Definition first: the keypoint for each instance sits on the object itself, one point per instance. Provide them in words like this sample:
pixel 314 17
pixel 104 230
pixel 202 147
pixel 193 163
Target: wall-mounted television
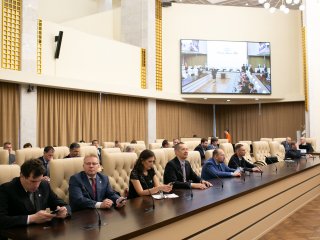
pixel 225 67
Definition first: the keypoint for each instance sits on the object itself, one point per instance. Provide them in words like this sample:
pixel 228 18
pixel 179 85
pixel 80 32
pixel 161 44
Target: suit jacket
pixel 81 194
pixel 173 173
pixel 211 170
pixel 45 166
pixel 307 146
pixel 293 154
pixel 235 162
pixel 201 151
pixel 16 205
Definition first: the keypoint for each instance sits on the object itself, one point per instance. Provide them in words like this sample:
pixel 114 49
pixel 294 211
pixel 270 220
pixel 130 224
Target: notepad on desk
pixel 158 196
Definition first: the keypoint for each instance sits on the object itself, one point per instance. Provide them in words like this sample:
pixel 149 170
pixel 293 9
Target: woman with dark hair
pixel 143 179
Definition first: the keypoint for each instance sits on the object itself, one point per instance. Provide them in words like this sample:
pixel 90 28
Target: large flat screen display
pixel 225 67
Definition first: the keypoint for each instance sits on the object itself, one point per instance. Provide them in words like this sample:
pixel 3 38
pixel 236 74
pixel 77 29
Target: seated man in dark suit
pixel 25 199
pixel 237 160
pixel 91 189
pixel 74 150
pixel 293 152
pixel 286 144
pixel 48 152
pixel 304 145
pixel 215 166
pixel 202 148
pixel 178 171
pixel 12 157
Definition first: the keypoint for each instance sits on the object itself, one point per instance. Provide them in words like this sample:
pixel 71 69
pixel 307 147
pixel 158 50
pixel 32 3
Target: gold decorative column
pixel 39 47
pixel 158 45
pixel 143 69
pixel 11 34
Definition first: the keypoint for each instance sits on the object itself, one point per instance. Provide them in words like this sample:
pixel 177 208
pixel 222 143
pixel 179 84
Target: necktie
pixel 31 197
pixel 94 187
pixel 184 172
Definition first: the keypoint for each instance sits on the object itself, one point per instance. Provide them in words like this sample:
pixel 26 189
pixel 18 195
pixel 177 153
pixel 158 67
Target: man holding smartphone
pixel 91 189
pixel 25 198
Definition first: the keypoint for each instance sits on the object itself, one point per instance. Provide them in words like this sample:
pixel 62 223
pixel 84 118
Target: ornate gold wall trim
pixel 158 45
pixel 39 47
pixel 11 34
pixel 143 69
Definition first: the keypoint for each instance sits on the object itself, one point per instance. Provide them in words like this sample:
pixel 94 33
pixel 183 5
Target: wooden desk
pixel 241 210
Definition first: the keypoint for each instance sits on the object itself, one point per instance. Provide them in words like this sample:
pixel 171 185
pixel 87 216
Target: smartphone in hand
pixel 55 211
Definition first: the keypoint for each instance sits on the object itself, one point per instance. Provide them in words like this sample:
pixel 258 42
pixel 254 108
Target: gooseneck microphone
pixel 98 214
pixel 257 167
pixel 153 206
pixel 191 193
pixel 273 163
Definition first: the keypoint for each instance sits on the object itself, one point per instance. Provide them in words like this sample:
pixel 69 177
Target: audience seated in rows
pixel 143 179
pixel 178 171
pixel 96 144
pixel 165 144
pixel 175 141
pixel 215 167
pixel 12 157
pixel 91 189
pixel 74 150
pixel 286 144
pixel 293 152
pixel 129 149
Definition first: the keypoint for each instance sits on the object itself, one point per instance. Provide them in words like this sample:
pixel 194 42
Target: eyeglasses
pixel 91 163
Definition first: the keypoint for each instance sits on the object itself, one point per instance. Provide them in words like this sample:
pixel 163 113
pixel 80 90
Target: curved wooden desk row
pixel 239 210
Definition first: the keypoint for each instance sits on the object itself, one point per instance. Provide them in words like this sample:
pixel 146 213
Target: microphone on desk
pixel 191 193
pixel 96 210
pixel 153 206
pixel 272 163
pixel 257 167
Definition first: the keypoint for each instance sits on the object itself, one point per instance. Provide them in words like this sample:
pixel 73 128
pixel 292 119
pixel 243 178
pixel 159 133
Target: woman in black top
pixel 143 179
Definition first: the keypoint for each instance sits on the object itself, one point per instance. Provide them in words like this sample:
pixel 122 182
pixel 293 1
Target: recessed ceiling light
pixel 247 4
pixel 205 98
pixel 257 99
pixel 228 100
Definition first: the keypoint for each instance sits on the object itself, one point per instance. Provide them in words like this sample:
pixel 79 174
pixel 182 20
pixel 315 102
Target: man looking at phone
pixel 91 189
pixel 25 198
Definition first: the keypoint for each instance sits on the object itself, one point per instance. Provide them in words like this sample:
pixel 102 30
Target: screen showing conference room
pixel 225 67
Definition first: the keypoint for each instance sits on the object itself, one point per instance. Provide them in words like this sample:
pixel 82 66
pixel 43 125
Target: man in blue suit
pixel 215 166
pixel 91 189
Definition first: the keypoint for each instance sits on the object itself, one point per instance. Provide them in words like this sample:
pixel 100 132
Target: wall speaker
pixel 58 39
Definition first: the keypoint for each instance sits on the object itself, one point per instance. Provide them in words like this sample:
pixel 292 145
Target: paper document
pixel 158 196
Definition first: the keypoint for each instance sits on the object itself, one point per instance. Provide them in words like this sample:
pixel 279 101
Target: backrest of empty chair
pixel 60 152
pixel 266 139
pixel 60 172
pixel 223 140
pixel 261 150
pixel 195 161
pixel 191 140
pixel 277 150
pixel 111 150
pixel 108 144
pixel 1 148
pixel 208 154
pixel 4 156
pixel 26 154
pixel 160 163
pixel 192 144
pixel 85 144
pixel 155 146
pixel 169 153
pixel 8 172
pixel 88 150
pixel 228 151
pixel 313 142
pixel 280 140
pixel 246 141
pixel 160 140
pixel 141 142
pixel 118 166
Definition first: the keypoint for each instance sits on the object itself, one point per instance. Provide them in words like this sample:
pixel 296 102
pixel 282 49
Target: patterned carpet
pixel 303 224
